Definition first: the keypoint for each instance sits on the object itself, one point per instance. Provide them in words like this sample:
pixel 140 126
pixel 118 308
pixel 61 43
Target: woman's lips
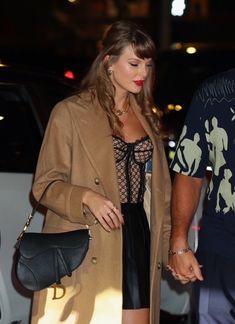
pixel 139 83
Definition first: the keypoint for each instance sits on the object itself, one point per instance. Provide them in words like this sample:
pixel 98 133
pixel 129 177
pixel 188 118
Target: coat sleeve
pixel 54 163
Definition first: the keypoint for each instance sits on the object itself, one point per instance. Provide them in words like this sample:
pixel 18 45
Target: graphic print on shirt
pixel 208 139
pixel 233 112
pixel 188 153
pixel 217 91
pixel 211 94
pixel 218 135
pixel 226 193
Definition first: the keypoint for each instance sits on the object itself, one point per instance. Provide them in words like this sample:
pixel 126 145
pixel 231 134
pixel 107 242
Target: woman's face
pixel 129 72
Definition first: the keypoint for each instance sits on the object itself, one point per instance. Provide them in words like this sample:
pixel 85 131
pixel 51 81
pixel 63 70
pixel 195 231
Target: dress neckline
pixel 137 141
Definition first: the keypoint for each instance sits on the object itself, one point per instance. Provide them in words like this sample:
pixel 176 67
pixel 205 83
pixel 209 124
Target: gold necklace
pixel 120 112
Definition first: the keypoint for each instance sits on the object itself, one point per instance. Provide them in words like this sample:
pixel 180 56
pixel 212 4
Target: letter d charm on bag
pixel 60 293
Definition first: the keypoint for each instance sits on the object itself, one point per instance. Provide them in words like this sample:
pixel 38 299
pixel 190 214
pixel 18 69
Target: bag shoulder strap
pixel 31 215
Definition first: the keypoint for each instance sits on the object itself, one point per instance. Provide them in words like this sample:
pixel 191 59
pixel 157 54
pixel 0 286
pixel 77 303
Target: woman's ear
pixel 107 63
pixel 106 59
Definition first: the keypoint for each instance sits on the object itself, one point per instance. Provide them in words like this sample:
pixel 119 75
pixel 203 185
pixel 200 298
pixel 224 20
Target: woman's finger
pixel 113 209
pixel 111 222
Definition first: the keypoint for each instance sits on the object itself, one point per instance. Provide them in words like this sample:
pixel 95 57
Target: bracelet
pixel 180 251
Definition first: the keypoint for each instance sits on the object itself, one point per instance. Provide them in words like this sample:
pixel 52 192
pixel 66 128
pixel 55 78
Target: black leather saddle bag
pixel 43 259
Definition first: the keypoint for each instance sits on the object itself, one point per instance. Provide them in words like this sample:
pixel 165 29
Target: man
pixel 207 139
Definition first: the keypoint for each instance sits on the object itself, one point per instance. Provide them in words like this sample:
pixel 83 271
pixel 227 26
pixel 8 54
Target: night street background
pixel 71 29
pixel 62 35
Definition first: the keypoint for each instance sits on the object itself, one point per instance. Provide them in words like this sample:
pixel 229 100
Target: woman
pixel 97 145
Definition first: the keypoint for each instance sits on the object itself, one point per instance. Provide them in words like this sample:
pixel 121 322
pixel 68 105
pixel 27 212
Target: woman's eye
pixel 133 64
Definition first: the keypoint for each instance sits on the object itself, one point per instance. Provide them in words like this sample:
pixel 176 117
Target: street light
pixel 178 7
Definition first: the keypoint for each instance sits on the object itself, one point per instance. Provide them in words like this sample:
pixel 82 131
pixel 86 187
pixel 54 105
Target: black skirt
pixel 136 257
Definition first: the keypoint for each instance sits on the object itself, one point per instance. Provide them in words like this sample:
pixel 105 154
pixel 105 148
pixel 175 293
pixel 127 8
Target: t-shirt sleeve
pixel 191 156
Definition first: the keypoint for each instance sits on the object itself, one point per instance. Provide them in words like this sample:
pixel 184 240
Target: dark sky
pixel 61 28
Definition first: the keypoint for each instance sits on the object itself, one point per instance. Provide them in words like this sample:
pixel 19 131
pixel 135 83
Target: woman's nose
pixel 143 72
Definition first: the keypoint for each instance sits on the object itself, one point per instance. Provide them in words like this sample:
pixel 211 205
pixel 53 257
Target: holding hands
pixel 184 266
pixel 186 194
pixel 108 215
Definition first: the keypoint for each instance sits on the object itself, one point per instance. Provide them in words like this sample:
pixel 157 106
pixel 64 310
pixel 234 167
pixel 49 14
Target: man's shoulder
pixel 224 75
pixel 217 88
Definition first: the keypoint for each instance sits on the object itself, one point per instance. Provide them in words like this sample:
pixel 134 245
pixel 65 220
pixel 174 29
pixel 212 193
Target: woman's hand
pixel 104 210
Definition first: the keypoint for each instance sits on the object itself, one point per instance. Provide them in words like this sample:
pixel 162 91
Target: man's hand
pixel 184 267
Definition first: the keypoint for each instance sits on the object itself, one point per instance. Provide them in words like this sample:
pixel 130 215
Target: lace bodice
pixel 130 160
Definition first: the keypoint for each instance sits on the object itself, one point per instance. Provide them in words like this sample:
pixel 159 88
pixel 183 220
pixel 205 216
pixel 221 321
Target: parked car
pixel 27 96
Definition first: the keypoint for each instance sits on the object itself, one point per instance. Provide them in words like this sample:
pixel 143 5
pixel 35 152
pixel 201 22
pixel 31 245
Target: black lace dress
pixel 131 159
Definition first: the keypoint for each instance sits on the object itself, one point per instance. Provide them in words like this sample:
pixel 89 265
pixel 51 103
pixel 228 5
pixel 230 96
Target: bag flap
pixel 33 244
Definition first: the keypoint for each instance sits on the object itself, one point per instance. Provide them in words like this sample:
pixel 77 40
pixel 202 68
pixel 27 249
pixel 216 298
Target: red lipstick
pixel 139 83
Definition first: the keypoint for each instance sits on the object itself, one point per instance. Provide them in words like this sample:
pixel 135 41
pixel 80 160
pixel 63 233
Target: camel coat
pixel 77 151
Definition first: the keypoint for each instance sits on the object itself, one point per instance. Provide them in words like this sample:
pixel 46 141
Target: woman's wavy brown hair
pixel 116 38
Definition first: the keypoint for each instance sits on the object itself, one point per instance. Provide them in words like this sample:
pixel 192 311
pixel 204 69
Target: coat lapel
pixel 95 134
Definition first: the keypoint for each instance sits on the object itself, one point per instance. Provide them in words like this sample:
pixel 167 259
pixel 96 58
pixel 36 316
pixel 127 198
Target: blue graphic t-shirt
pixel 208 139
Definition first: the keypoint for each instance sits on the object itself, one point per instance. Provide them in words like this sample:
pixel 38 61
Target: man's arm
pixel 185 198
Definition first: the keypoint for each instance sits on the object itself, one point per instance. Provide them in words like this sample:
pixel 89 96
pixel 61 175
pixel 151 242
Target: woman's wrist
pixel 86 197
